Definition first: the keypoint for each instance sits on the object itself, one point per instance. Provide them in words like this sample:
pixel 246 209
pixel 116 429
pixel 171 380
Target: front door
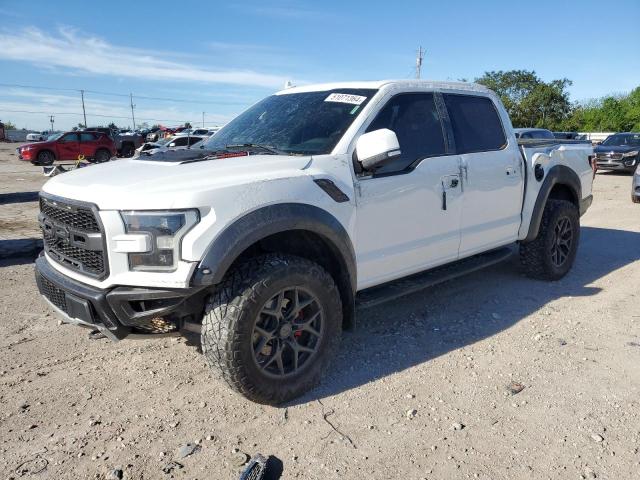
pixel 408 211
pixel 492 174
pixel 68 147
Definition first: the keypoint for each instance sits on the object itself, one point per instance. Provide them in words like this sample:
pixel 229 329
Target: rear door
pixel 408 212
pixel 68 147
pixel 88 144
pixel 492 174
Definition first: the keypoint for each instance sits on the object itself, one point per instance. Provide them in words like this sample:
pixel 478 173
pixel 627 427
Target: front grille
pixel 53 294
pixel 73 236
pixel 608 156
pixel 78 217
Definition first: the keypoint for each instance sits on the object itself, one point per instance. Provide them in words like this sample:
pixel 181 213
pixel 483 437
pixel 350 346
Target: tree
pixel 187 124
pixel 529 100
pixel 8 125
pixel 80 125
pixel 112 126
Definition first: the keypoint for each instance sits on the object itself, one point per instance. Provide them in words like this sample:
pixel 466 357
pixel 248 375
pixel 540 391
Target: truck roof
pixel 377 84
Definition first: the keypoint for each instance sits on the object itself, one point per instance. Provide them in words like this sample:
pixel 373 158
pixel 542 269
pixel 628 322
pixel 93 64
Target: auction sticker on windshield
pixel 345 98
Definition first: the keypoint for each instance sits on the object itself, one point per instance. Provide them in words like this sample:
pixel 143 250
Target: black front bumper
pixel 118 311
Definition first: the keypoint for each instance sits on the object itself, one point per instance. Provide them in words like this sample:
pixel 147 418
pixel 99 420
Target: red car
pixel 94 146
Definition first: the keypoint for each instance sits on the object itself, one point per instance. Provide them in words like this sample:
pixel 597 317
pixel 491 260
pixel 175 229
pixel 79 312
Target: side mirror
pixel 377 148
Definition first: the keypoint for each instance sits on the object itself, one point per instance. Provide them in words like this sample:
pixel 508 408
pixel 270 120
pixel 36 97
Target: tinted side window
pixel 87 137
pixel 414 119
pixel 193 140
pixel 475 122
pixel 69 137
pixel 180 142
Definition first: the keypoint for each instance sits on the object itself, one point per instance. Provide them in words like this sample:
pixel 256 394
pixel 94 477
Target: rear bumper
pixel 119 311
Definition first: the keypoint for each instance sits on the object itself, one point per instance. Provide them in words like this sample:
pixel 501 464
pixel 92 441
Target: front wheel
pixel 272 326
pixel 552 253
pixel 45 158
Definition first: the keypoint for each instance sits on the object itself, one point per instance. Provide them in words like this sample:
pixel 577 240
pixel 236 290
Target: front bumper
pixel 119 311
pixel 628 164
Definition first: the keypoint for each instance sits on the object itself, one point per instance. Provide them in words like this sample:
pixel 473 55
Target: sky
pixel 182 59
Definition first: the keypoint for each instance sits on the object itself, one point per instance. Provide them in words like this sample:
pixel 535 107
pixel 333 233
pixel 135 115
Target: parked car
pixel 94 146
pixel 37 137
pixel 173 143
pixel 534 133
pixel 635 187
pixel 125 142
pixel 317 198
pixel 620 152
pixel 569 136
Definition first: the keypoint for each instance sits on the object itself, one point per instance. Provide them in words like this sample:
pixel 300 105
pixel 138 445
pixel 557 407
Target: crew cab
pixel 311 202
pixel 94 146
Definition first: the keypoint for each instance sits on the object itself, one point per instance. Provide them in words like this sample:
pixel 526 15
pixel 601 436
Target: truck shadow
pixel 415 329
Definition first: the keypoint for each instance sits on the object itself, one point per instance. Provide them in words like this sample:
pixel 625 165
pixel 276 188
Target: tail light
pixel 593 164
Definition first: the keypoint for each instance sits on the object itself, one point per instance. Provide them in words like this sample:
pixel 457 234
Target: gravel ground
pixel 491 376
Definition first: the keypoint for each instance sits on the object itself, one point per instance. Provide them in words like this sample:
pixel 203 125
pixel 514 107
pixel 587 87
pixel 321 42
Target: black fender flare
pixel 263 222
pixel 558 174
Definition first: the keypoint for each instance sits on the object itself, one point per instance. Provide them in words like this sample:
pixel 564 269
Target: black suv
pixel 620 151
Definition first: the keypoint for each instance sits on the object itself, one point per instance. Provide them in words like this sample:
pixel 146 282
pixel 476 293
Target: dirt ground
pixel 420 390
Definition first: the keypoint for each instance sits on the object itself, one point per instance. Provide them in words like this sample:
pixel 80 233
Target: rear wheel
pixel 552 253
pixel 102 155
pixel 272 326
pixel 45 158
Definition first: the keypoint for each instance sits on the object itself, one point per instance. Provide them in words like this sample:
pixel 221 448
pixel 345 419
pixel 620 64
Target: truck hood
pixel 145 184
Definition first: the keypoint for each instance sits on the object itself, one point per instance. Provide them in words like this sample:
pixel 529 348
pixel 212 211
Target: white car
pixel 315 199
pixel 176 142
pixel 37 136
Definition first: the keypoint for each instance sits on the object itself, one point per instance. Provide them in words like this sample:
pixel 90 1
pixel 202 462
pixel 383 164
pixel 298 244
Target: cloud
pixel 32 109
pixel 79 53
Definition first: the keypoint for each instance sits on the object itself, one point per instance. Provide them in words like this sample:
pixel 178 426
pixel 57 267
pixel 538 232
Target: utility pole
pixel 83 111
pixel 202 119
pixel 51 117
pixel 133 118
pixel 419 62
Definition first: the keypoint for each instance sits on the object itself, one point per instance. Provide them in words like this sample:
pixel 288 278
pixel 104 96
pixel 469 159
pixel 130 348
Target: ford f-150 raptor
pixel 311 202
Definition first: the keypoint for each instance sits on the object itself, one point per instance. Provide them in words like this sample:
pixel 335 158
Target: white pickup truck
pixel 316 199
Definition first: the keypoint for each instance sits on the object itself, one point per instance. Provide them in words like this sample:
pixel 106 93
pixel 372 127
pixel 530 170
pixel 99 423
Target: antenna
pixel 419 62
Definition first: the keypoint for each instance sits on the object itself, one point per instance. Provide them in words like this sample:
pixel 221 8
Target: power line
pixel 78 114
pixel 125 95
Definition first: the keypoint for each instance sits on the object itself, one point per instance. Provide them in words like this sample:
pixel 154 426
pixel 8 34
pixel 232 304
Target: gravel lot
pixel 424 388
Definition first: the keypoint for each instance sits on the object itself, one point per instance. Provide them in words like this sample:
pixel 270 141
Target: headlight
pixel 165 231
pixel 630 154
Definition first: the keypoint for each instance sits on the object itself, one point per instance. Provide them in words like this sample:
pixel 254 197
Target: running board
pixel 395 289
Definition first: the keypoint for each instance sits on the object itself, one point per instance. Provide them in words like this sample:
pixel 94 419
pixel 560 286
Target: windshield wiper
pixel 264 148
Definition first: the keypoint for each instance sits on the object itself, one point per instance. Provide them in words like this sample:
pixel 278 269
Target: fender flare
pixel 278 218
pixel 557 175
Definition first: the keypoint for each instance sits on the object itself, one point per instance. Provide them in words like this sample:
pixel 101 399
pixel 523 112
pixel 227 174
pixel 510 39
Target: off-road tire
pixel 635 198
pixel 536 256
pixel 232 312
pixel 102 155
pixel 45 158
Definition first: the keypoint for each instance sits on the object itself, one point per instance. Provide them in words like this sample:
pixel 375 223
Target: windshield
pixel 55 136
pixel 309 123
pixel 623 140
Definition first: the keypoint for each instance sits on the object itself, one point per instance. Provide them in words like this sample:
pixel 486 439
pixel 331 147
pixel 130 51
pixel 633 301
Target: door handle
pixel 453 182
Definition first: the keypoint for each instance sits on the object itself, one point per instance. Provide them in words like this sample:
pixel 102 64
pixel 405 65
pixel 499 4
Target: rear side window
pixel 193 140
pixel 475 123
pixel 415 120
pixel 87 137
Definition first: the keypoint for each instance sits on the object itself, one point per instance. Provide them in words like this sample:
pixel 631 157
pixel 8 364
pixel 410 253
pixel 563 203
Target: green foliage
pixel 8 125
pixel 529 100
